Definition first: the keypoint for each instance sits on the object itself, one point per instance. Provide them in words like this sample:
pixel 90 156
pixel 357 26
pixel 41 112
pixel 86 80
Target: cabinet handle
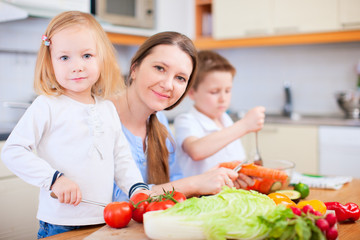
pixel 286 30
pixel 350 25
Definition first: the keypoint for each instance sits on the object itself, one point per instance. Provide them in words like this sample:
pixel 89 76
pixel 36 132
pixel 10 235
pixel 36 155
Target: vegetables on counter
pixel 118 214
pixel 303 189
pixel 292 194
pixel 234 214
pixel 348 212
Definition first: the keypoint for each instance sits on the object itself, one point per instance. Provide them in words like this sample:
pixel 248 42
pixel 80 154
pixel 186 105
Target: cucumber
pixel 295 196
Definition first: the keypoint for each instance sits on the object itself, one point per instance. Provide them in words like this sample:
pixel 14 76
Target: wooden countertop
pixel 350 192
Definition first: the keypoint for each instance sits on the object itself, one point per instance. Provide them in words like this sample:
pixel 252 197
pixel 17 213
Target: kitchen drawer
pixel 339 150
pixel 4 171
pixel 18 207
pixel 296 143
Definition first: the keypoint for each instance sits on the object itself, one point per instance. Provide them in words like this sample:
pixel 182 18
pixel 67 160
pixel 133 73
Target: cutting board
pixel 133 231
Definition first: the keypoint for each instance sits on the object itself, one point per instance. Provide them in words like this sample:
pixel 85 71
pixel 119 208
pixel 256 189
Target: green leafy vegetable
pixel 231 214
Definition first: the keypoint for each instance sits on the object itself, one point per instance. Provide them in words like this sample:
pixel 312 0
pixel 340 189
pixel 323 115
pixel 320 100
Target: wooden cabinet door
pixel 240 18
pixel 349 14
pixel 299 16
pixel 296 143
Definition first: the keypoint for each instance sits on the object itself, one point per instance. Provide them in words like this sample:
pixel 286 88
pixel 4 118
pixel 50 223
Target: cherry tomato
pixel 160 205
pixel 178 196
pixel 117 214
pixel 139 208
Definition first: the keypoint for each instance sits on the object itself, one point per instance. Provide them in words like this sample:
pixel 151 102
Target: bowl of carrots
pixel 278 175
pixel 272 176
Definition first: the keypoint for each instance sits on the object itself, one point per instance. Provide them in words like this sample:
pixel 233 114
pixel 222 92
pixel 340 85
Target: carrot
pixel 230 165
pixel 265 185
pixel 263 172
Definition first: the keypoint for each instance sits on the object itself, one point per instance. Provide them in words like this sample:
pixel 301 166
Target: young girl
pixel 161 73
pixel 206 135
pixel 70 141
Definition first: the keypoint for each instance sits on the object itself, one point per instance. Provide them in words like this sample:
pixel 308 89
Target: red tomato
pixel 117 214
pixel 140 209
pixel 178 196
pixel 162 205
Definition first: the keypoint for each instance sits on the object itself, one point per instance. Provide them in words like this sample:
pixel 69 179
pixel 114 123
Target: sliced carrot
pixel 263 172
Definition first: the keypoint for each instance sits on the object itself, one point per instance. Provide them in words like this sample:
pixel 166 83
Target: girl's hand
pixel 212 181
pixel 67 191
pixel 253 119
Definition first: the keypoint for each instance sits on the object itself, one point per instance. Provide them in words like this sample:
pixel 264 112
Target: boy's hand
pixel 67 191
pixel 254 119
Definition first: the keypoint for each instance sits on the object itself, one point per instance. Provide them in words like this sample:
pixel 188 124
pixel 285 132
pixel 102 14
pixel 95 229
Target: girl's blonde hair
pixel 157 152
pixel 110 81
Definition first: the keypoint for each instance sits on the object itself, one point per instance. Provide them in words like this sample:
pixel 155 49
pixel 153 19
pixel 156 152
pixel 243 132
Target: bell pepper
pixel 349 211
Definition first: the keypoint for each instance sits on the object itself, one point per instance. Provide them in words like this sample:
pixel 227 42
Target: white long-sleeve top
pixel 83 141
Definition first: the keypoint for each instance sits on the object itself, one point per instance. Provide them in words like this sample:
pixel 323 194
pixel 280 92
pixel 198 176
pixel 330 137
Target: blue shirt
pixel 139 156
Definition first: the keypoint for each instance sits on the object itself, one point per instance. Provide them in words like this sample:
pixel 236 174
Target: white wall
pixel 315 71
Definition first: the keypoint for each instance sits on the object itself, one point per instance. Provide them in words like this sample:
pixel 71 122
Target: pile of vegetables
pixel 233 214
pixel 119 214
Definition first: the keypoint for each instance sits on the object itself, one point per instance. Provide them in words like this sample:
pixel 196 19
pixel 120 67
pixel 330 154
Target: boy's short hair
pixel 210 61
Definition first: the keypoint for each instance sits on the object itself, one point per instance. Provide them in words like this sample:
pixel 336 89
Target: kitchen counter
pixel 350 192
pixel 313 120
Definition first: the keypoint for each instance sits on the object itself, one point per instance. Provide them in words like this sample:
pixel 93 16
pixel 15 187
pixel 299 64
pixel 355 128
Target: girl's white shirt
pixel 83 141
pixel 194 123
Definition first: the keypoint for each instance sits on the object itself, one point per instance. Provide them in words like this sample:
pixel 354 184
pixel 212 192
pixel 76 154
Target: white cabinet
pixel 349 13
pixel 339 150
pixel 299 16
pixel 244 18
pixel 18 206
pixel 296 143
pixel 238 18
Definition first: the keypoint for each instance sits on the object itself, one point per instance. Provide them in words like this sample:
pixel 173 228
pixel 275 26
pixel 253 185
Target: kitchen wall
pixel 316 72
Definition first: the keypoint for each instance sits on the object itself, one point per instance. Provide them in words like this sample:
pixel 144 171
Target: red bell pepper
pixel 349 211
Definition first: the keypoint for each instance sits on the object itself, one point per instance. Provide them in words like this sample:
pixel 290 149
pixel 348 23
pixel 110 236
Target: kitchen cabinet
pixel 202 42
pixel 296 143
pixel 299 16
pixel 339 150
pixel 18 206
pixel 243 18
pixel 240 18
pixel 349 14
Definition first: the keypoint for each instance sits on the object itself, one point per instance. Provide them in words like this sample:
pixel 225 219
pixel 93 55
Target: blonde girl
pixel 70 140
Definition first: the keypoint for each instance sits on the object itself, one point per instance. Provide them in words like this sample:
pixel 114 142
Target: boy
pixel 206 135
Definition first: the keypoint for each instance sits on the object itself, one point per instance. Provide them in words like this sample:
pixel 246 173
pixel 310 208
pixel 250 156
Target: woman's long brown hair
pixel 157 134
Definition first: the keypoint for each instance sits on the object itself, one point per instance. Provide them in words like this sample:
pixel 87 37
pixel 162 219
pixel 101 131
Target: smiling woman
pixel 160 75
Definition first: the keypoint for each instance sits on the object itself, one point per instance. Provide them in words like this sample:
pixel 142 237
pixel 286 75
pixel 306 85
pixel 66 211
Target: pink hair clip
pixel 45 39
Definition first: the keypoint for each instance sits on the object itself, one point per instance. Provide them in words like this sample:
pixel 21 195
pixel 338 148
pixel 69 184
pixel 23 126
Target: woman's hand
pixel 67 191
pixel 212 181
pixel 243 181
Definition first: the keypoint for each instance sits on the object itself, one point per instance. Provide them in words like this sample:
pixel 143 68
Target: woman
pixel 160 75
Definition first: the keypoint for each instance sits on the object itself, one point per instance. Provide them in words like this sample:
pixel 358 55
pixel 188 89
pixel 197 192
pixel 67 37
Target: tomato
pixel 139 208
pixel 117 214
pixel 160 205
pixel 178 196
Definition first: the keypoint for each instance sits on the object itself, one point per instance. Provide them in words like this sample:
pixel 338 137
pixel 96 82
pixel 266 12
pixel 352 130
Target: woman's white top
pixel 199 125
pixel 83 141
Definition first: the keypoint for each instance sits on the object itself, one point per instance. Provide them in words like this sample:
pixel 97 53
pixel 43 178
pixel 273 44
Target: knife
pixel 239 166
